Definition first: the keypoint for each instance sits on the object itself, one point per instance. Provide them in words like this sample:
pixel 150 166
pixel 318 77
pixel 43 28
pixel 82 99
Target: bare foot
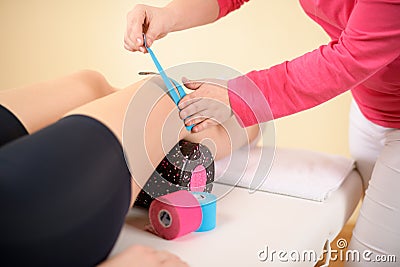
pixel 139 256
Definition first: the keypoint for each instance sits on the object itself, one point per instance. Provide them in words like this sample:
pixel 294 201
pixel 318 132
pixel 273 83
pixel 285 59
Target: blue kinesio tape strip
pixel 182 93
pixel 179 87
pixel 165 78
pixel 167 81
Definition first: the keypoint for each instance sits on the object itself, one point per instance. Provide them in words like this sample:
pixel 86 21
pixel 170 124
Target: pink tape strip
pixel 198 181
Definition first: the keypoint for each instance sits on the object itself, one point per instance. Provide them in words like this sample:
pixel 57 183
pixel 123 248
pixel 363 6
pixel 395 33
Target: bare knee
pixel 95 82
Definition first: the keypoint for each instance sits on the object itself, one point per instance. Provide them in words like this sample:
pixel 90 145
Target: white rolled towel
pixel 293 172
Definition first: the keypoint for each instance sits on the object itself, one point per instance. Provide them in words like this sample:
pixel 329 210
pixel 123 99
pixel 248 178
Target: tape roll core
pixel 165 218
pixel 199 197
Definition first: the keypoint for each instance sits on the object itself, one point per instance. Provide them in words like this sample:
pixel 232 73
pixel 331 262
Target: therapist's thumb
pixel 191 84
pixel 150 36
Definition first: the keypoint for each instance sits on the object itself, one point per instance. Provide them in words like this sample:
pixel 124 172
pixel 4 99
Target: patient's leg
pixel 41 104
pixel 150 135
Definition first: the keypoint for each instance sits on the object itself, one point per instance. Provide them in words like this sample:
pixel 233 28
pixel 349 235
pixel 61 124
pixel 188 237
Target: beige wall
pixel 42 39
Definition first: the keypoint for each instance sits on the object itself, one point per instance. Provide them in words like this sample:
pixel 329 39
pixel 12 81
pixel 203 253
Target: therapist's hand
pixel 208 105
pixel 153 21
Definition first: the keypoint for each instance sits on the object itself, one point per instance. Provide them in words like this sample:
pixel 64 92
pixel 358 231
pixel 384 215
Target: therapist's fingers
pixel 196 106
pixel 192 84
pixel 204 125
pixel 195 119
pixel 136 20
pixel 128 44
pixel 188 100
pixel 155 22
pixel 204 118
pixel 191 98
pixel 204 86
pixel 207 105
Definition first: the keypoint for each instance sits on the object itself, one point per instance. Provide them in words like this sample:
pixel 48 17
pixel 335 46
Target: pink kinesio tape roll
pixel 175 214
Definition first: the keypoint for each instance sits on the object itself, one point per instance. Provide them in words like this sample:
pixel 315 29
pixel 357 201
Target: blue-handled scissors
pixel 172 85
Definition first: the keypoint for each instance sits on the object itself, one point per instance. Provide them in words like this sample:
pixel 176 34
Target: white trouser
pixel 376 150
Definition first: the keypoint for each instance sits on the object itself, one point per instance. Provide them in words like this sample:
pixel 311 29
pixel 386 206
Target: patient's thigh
pixel 137 116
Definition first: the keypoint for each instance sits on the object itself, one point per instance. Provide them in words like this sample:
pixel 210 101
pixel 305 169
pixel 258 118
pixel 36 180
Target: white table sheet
pixel 246 223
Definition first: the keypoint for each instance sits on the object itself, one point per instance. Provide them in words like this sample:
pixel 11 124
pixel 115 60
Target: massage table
pixel 248 223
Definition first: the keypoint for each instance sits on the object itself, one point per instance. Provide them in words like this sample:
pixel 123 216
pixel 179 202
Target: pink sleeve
pixel 370 41
pixel 227 6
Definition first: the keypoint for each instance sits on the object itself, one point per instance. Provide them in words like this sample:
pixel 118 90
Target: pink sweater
pixel 364 56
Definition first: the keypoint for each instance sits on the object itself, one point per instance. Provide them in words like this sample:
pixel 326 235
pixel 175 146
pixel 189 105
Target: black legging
pixel 64 192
